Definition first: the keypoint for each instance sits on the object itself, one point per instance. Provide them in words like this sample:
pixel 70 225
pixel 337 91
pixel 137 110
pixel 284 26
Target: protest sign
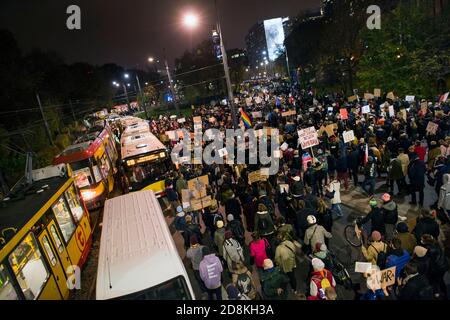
pixel 248 102
pixel 444 97
pixel 321 130
pixel 344 113
pixel 257 114
pixel 368 96
pixel 182 120
pixel 424 107
pixel 363 267
pixel 284 146
pixel 172 135
pixel 258 100
pixel 256 176
pixel 223 152
pixel 387 277
pixel 432 127
pixel 404 114
pixel 377 92
pixel 391 111
pixel 308 137
pixel 365 109
pixel 330 129
pixel 349 136
pixel 311 109
pixel 409 98
pixel 330 109
pixel 197 119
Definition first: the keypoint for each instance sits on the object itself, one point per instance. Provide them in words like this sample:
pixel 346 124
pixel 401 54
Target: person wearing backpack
pixel 414 286
pixel 233 206
pixel 321 279
pixel 210 217
pixel 233 252
pixel 315 234
pixel 375 253
pixel 195 255
pixel 274 282
pixel 210 269
pixel 237 229
pixel 264 224
pixel 285 258
pixel 234 294
pixel 242 279
pixel 265 200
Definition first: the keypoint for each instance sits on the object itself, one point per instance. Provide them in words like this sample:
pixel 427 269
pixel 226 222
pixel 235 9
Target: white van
pixel 138 258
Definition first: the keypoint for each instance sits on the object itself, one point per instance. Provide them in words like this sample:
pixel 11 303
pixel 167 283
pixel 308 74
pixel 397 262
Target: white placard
pixel 363 267
pixel 284 146
pixel 308 137
pixel 349 136
pixel 311 109
pixel 223 152
pixel 172 135
pixel 330 109
pixel 409 98
pixel 182 120
pixel 276 154
pixel 365 109
pixel 391 111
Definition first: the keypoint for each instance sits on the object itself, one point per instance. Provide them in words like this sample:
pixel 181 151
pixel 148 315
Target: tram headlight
pixel 88 194
pixel 162 155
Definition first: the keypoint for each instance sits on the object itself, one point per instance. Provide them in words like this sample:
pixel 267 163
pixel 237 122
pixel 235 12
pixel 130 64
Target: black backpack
pixel 237 229
pixel 381 258
pixel 262 224
pixel 244 283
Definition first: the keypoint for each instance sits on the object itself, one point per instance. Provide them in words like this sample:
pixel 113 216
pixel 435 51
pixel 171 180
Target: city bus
pixel 145 159
pixel 138 258
pixel 45 235
pixel 92 162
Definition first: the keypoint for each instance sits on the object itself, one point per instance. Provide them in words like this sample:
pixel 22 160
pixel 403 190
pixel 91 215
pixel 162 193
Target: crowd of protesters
pixel 251 238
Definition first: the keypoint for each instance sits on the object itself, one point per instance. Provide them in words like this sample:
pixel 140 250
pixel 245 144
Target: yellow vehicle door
pixel 54 263
pixel 59 245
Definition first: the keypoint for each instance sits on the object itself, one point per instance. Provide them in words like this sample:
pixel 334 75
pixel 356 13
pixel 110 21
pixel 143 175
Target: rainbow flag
pixel 246 119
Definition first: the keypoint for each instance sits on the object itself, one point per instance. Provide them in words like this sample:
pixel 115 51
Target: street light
pixel 190 20
pixel 151 59
pixel 126 75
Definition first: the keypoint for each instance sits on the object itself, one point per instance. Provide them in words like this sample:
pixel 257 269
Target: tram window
pixel 104 164
pixel 64 218
pixel 7 291
pixel 109 150
pixel 57 239
pixel 82 173
pixel 48 249
pixel 74 203
pixel 98 176
pixel 29 267
pixel 174 289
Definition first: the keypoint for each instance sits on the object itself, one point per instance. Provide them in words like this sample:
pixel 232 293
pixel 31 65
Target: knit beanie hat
pixel 420 251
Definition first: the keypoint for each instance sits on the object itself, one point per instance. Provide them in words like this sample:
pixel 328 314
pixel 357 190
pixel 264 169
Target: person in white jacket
pixel 335 186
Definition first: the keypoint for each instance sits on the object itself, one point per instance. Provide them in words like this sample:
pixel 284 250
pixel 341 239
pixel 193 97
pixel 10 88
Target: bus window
pixel 64 218
pixel 104 165
pixel 174 289
pixel 7 291
pixel 82 173
pixel 29 267
pixel 49 251
pixel 74 203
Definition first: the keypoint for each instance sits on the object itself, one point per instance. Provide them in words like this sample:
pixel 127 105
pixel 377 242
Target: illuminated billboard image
pixel 274 37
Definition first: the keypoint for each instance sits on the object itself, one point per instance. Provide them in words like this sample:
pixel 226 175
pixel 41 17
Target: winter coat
pixel 353 160
pixel 370 170
pixel 286 231
pixel 235 279
pixel 438 261
pixel 195 255
pixel 248 209
pixel 416 174
pixel 285 256
pixel 408 241
pixel 269 228
pixel 335 186
pixel 372 251
pixel 272 280
pixel 404 159
pixel 298 188
pixel 316 234
pixel 433 154
pixel 258 251
pixel 376 217
pixel 232 252
pixel 413 288
pixel 219 238
pixel 390 212
pixel 211 271
pixel 398 259
pixel 395 170
pixel 341 164
pixel 426 225
pixel 232 206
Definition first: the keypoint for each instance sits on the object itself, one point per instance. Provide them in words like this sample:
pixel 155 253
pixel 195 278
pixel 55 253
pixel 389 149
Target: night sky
pixel 128 31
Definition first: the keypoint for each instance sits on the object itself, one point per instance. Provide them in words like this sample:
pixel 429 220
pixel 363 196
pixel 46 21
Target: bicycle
pixel 354 233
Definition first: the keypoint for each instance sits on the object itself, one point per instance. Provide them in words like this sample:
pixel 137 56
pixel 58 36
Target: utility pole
pixel 227 71
pixel 126 95
pixel 171 84
pixel 47 128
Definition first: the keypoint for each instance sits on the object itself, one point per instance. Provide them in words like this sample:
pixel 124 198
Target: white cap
pixel 311 219
pixel 317 264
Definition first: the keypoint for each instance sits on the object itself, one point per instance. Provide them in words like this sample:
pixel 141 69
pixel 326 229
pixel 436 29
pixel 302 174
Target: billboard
pixel 274 37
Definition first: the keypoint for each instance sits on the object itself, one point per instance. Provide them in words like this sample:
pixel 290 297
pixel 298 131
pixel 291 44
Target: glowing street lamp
pixel 190 20
pixel 126 75
pixel 151 59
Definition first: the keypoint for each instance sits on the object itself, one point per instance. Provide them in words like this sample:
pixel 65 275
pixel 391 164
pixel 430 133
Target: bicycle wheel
pixel 351 237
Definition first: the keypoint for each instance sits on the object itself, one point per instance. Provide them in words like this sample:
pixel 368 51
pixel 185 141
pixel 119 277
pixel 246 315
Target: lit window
pixel 57 239
pixel 74 203
pixel 64 218
pixel 29 267
pixel 7 291
pixel 49 251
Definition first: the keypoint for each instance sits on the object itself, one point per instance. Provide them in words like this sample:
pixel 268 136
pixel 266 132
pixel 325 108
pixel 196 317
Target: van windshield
pixel 174 289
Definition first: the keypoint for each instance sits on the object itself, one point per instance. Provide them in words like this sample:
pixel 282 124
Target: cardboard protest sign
pixel 387 277
pixel 172 135
pixel 368 96
pixel 308 137
pixel 284 146
pixel 409 98
pixel 444 97
pixel 182 120
pixel 377 92
pixel 365 109
pixel 256 176
pixel 197 119
pixel 432 127
pixel 424 107
pixel 321 131
pixel 352 98
pixel 390 96
pixel 344 113
pixel 330 129
pixel 391 111
pixel 257 114
pixel 349 136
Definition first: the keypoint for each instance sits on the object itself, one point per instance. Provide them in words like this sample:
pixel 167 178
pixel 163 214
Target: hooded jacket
pixel 211 271
pixel 264 215
pixel 258 251
pixel 271 281
pixel 285 256
pixel 398 259
pixel 390 212
pixel 232 252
